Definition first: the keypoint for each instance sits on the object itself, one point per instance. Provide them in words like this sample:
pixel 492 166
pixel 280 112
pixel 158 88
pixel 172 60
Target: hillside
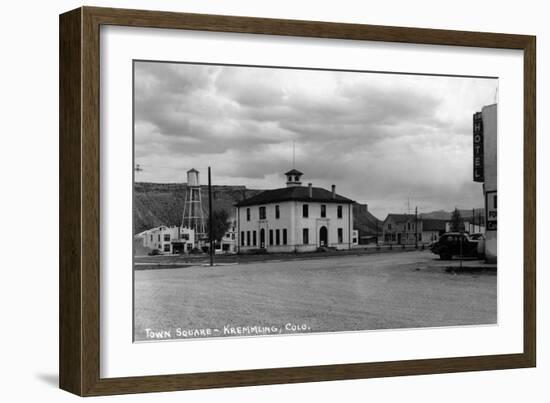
pixel 365 222
pixel 162 204
pixel 446 215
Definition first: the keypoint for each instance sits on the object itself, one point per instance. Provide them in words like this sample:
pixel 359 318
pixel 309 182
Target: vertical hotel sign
pixel 478 148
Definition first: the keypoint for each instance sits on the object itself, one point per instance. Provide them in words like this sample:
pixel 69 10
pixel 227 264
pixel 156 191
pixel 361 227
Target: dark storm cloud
pixel 379 136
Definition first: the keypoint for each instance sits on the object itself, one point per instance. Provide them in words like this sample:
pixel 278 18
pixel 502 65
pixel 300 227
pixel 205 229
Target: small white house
pixel 355 237
pixel 468 227
pixel 167 240
pixel 228 243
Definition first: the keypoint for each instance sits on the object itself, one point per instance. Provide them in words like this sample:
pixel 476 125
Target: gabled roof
pixel 293 193
pixel 293 172
pixel 147 231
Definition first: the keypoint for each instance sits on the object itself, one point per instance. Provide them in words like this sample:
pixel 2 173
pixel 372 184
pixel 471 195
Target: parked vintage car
pixel 154 252
pixel 458 244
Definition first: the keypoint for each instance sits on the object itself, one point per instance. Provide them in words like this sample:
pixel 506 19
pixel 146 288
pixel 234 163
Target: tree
pixel 220 224
pixel 457 223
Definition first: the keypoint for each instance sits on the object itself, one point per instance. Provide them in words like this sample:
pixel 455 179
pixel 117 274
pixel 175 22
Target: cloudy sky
pixel 382 139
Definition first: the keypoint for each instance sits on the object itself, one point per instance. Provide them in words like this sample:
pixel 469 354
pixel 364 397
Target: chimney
pixel 310 190
pixel 334 191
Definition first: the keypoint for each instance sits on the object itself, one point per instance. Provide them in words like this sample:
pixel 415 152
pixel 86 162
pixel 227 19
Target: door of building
pixel 323 236
pixel 262 238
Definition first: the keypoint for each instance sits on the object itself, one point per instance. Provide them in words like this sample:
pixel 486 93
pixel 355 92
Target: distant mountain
pixel 446 215
pixel 162 204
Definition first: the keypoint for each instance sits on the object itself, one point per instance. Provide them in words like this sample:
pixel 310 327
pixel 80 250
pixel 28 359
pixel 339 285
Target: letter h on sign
pixel 478 148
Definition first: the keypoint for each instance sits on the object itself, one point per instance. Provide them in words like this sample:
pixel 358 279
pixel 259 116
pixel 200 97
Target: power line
pixel 166 167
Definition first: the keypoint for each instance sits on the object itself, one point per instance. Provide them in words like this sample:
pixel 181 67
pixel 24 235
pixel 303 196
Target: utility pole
pixel 210 235
pixel 473 225
pixel 416 227
pixel 479 221
pixel 377 232
pixel 461 238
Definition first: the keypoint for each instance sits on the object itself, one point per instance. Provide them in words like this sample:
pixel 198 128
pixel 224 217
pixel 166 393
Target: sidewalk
pixel 470 265
pixel 243 258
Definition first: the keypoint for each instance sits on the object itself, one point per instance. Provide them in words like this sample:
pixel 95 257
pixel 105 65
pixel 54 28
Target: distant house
pixel 404 229
pixel 167 240
pixel 295 218
pixel 355 237
pixel 228 242
pixel 469 227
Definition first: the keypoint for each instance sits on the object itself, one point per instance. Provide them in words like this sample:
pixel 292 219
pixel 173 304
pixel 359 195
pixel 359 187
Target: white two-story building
pixel 295 218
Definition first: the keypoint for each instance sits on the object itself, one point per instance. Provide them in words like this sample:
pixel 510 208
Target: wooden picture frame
pixel 79 201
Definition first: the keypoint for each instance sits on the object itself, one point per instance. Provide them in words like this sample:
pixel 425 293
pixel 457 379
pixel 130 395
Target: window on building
pixel 297 178
pixel 277 212
pixel 167 247
pixel 247 214
pixel 277 237
pixel 284 236
pixel 247 238
pixel 340 235
pixel 389 226
pixel 167 237
pixel 253 238
pixel 323 210
pixel 271 237
pixel 242 238
pixel 151 237
pixel 305 211
pixel 340 211
pixel 262 213
pixel 408 226
pixel 419 237
pixel 305 236
pixel 158 236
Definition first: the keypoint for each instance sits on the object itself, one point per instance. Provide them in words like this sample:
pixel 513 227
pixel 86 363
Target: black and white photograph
pixel 275 202
pixel 271 201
